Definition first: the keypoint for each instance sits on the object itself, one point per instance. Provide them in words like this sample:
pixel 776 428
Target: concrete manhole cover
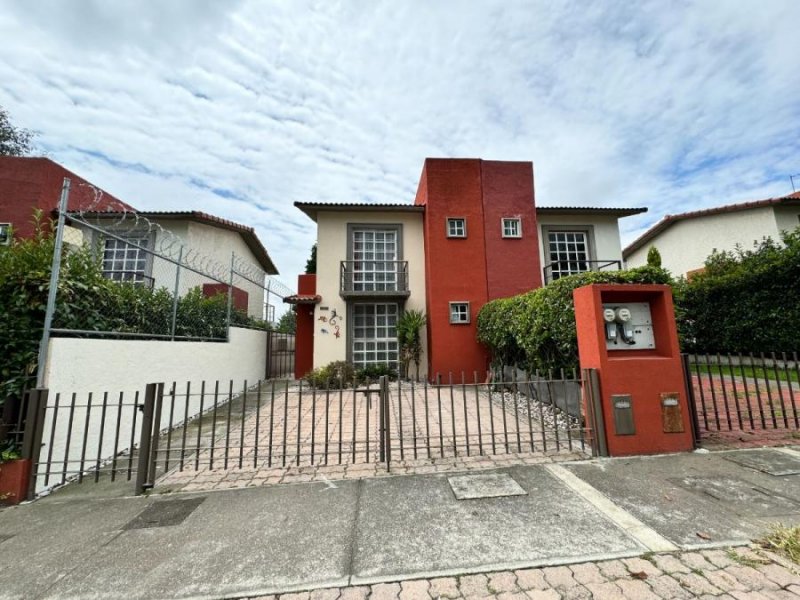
pixel 164 513
pixel 486 485
pixel 772 462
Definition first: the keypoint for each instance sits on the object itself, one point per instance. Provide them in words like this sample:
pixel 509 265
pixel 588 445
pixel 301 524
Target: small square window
pixel 457 227
pixel 459 312
pixel 512 228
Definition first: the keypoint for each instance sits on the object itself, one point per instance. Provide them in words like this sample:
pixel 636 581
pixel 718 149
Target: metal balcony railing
pixel 562 268
pixel 374 278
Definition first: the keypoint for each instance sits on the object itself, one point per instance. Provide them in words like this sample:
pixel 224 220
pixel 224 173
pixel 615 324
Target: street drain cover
pixel 486 485
pixel 164 513
pixel 772 462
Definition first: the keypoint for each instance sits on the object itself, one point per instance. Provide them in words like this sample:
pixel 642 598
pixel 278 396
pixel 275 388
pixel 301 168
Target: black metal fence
pixel 745 392
pixel 165 430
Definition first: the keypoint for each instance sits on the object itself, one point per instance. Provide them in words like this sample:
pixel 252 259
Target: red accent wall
pixel 512 264
pixel 644 374
pixel 304 339
pixel 30 183
pixel 455 268
pixel 484 265
pixel 239 299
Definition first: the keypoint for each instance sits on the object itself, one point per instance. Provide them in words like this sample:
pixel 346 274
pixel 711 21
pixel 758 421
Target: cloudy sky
pixel 242 108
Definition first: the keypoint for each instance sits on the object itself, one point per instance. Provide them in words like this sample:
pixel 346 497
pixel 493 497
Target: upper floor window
pixel 456 227
pixel 459 312
pixel 512 228
pixel 568 252
pixel 5 234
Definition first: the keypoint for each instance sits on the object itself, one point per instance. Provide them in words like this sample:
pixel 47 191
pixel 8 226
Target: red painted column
pixel 652 378
pixel 304 333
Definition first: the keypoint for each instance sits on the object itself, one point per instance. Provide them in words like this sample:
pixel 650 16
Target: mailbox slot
pixel 623 414
pixel 671 415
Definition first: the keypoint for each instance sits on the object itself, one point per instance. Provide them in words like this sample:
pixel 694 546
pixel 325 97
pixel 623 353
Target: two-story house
pixel 473 234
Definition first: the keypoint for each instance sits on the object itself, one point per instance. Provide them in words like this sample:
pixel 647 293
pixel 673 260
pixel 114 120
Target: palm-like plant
pixel 409 338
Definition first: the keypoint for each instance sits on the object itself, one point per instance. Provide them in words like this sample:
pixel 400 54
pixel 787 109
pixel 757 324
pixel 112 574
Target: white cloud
pixel 670 105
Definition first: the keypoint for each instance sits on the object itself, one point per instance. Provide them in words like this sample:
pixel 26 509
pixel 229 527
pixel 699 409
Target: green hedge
pixel 87 301
pixel 536 330
pixel 744 301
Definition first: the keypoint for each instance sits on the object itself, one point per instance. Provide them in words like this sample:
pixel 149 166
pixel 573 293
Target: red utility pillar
pixel 628 334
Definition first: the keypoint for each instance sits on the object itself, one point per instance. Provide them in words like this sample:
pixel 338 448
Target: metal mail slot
pixel 623 414
pixel 671 415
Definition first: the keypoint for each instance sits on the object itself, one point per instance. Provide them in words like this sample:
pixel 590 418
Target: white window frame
pixel 131 248
pixel 463 318
pixel 373 334
pixel 454 221
pixel 511 220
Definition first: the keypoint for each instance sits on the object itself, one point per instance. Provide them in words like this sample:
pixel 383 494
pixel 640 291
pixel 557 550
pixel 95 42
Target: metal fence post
pixel 687 377
pixel 51 293
pixel 230 298
pixel 270 349
pixel 175 294
pixel 32 437
pixel 595 406
pixel 145 438
pixel 386 420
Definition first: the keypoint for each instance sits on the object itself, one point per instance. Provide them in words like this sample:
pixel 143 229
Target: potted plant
pixel 14 476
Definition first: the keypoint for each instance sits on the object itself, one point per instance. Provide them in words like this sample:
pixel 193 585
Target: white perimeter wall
pixel 81 366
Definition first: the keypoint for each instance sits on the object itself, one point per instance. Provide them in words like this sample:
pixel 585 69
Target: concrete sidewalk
pixel 274 539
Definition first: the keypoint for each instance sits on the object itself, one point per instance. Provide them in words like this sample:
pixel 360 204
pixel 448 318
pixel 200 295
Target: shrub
pixel 744 300
pixel 334 375
pixel 653 257
pixel 536 330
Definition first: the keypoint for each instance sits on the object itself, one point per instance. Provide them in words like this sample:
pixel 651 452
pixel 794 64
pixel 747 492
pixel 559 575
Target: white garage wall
pixel 83 366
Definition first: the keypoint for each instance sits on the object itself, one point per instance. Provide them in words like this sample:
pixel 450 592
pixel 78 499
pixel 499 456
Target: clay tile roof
pixel 668 220
pixel 303 299
pixel 248 233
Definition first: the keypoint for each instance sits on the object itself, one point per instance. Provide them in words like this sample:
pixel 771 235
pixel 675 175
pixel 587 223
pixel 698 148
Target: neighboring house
pixel 27 184
pixel 473 234
pixel 209 241
pixel 685 240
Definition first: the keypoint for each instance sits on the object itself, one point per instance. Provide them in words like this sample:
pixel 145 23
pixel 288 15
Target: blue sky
pixel 242 108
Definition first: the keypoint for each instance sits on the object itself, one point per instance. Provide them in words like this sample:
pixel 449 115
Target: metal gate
pixel 280 354
pixel 276 424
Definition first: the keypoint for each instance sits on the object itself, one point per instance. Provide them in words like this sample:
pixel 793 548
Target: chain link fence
pixel 175 276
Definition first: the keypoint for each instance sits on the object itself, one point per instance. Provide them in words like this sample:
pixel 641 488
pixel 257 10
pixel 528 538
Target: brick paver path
pixel 288 435
pixel 725 574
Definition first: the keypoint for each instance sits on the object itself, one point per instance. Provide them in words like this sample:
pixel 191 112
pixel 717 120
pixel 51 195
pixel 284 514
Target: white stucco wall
pixel 204 245
pixel 606 241
pixel 81 366
pixel 685 245
pixel 332 249
pixel 787 218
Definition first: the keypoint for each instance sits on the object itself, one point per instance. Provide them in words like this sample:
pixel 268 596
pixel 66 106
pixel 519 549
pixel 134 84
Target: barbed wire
pixel 118 219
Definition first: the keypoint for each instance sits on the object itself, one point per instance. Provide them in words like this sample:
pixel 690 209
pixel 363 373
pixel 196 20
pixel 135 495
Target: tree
pixel 409 338
pixel 288 322
pixel 311 263
pixel 14 141
pixel 654 257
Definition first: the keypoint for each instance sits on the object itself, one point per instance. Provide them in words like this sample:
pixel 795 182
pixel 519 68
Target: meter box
pixel 628 326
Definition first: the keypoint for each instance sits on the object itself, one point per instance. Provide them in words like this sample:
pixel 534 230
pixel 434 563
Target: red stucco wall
pixel 30 183
pixel 455 268
pixel 512 264
pixel 304 339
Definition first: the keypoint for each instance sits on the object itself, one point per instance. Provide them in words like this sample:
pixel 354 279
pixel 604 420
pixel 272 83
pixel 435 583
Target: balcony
pixel 374 279
pixel 562 268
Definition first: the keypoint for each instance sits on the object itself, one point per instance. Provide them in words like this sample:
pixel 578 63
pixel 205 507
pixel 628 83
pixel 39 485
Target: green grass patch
pixel 748 371
pixel 784 540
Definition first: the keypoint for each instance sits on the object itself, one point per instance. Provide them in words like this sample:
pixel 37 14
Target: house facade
pixel 129 241
pixel 685 240
pixel 473 234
